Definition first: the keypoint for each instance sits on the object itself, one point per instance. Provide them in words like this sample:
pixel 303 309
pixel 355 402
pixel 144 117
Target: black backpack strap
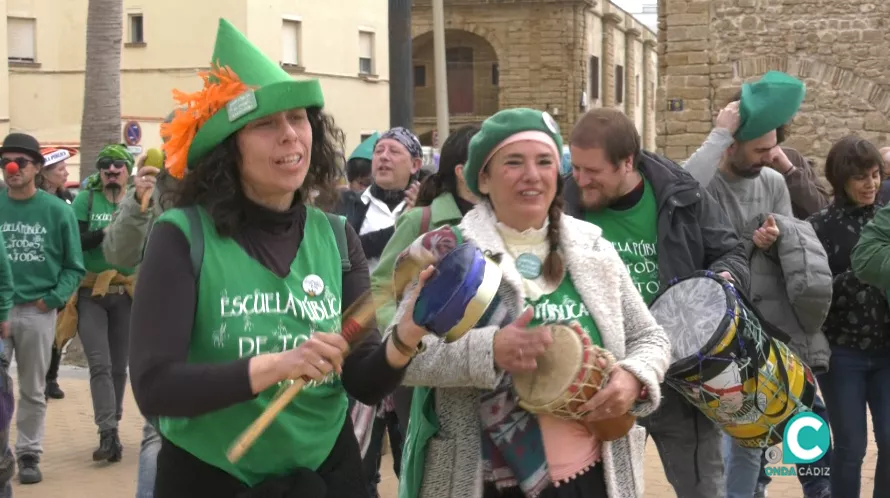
pixel 196 236
pixel 338 224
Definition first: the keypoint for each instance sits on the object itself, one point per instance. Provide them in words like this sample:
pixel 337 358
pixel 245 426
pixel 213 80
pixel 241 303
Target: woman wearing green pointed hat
pixel 469 437
pixel 242 288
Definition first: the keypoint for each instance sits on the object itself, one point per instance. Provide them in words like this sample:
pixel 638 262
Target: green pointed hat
pixel 768 104
pixel 365 150
pixel 243 85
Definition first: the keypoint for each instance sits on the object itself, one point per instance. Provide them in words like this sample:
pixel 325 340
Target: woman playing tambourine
pixel 469 438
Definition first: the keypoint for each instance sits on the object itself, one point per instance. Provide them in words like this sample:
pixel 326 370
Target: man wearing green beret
pixel 744 166
pixel 101 308
pixel 358 166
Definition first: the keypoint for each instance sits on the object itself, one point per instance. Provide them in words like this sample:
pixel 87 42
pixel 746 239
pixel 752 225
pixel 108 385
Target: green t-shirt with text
pixel 245 310
pixel 43 248
pixel 634 234
pixel 564 305
pixel 98 216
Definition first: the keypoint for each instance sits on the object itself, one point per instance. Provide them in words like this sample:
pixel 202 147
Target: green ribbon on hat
pixel 500 127
pixel 768 104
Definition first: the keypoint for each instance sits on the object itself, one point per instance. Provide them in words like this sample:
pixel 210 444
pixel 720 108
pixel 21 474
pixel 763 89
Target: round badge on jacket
pixel 313 285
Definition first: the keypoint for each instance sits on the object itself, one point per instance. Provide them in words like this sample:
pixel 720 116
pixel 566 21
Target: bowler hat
pixel 21 142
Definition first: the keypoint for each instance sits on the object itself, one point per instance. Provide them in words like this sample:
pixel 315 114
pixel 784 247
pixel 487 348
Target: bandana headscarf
pixel 406 138
pixel 117 152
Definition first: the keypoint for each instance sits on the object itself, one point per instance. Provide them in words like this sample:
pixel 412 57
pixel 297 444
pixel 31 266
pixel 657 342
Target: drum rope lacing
pixel 748 328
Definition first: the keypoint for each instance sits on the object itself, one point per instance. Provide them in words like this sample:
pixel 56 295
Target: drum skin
pixel 745 381
pixel 566 378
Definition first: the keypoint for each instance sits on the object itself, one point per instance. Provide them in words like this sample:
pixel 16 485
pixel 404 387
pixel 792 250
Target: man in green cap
pixel 102 305
pixel 744 166
pixel 47 265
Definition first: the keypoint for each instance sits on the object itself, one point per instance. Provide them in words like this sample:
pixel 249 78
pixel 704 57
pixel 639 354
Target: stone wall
pixel 707 49
pixel 542 52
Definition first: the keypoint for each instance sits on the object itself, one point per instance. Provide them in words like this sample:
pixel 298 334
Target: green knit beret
pixel 768 104
pixel 500 127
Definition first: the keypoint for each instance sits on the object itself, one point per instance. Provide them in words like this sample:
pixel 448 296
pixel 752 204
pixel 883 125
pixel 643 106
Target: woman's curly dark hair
pixel 215 182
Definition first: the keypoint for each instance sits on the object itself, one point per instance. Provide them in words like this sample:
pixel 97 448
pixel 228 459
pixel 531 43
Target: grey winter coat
pixel 793 275
pixel 461 370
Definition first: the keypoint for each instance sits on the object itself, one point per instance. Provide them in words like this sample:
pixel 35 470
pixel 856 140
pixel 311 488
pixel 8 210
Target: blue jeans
pixel 855 379
pixel 148 460
pixel 742 468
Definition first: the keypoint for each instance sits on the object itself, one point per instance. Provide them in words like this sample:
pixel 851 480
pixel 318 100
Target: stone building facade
pixel 707 49
pixel 562 56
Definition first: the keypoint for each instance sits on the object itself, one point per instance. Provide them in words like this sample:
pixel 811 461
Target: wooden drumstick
pixel 154 158
pixel 354 327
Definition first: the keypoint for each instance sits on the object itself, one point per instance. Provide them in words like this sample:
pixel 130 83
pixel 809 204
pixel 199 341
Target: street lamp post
pixel 441 67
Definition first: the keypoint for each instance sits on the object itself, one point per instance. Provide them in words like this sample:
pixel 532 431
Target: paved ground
pixel 71 438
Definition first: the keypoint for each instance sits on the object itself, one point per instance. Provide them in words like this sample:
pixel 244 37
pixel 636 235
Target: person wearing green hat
pixel 556 269
pixel 743 165
pixel 243 287
pixel 40 231
pixel 100 310
pixel 358 166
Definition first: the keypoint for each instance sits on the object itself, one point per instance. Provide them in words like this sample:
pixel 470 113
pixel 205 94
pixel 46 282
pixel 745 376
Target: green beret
pixel 768 104
pixel 500 127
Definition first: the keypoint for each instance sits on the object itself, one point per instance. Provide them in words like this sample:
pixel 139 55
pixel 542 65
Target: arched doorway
pixel 472 75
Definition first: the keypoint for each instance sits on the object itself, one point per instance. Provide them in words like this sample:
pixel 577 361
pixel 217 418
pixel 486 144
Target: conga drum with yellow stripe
pixel 723 362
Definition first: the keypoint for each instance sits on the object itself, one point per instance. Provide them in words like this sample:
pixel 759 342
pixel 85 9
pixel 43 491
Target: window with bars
pixel 366 52
pixel 21 39
pixel 420 75
pixel 291 33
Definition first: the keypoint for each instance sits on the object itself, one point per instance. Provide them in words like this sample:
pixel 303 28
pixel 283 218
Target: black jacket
pixel 352 207
pixel 694 233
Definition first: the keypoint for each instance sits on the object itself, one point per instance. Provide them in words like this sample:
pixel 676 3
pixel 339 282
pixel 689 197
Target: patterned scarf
pixel 512 445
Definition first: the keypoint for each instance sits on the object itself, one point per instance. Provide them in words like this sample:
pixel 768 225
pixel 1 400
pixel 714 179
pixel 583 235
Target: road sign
pixel 135 149
pixel 132 133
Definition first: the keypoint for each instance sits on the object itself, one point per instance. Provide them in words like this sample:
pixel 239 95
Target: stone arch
pixel 837 78
pixel 473 72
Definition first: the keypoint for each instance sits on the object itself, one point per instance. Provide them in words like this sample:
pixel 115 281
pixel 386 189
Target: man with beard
pixel 104 299
pixel 743 165
pixel 664 226
pixel 47 264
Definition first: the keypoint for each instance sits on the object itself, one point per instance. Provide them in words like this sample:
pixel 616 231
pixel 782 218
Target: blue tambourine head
pixel 454 300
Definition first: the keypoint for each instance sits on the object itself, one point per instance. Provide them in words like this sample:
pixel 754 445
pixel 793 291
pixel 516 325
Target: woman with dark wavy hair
pixel 242 289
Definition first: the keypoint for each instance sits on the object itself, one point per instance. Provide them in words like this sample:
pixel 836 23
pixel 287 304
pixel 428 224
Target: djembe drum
pixel 724 363
pixel 569 375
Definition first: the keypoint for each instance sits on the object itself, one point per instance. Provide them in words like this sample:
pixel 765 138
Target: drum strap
pixel 783 376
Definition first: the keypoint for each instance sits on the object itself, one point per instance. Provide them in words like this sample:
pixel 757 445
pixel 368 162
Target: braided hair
pixel 554 267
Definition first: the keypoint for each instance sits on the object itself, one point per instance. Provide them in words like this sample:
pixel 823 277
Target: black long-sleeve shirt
pixel 165 384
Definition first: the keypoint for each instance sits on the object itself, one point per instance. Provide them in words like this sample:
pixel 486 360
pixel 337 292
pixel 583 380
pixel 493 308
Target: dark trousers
pixel 591 484
pixel 389 424
pixel 181 475
pixel 52 375
pixel 856 380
